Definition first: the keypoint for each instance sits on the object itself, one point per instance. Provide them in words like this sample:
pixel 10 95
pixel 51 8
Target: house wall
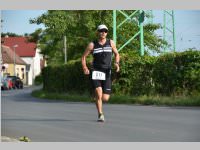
pixel 30 73
pixel 21 72
pixel 9 70
pixel 37 67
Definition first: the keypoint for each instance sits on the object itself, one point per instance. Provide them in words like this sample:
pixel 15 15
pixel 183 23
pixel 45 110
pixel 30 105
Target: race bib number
pixel 97 75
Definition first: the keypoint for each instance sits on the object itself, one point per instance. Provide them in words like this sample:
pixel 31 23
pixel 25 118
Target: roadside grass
pixel 156 100
pixel 123 99
pixel 71 97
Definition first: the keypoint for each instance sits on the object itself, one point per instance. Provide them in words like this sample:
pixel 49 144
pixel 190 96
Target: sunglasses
pixel 103 30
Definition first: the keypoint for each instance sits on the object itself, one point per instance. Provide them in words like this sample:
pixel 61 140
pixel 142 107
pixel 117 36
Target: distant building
pixel 29 52
pixel 12 64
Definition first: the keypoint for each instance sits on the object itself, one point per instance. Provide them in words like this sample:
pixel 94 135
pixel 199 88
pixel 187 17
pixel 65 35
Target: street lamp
pixel 14 58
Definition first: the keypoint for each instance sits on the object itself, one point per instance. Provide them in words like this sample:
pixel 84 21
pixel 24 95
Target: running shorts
pixel 105 84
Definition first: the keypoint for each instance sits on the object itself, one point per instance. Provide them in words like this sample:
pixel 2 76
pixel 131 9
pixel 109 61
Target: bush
pixel 66 78
pixel 169 74
pixel 135 77
pixel 177 73
pixel 38 80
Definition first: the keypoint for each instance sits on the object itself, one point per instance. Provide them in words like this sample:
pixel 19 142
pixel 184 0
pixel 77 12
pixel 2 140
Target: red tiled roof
pixel 8 56
pixel 24 49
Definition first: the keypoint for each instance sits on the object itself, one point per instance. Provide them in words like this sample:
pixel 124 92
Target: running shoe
pixel 101 118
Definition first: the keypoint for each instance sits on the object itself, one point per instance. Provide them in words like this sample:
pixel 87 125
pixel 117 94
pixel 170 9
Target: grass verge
pixel 122 99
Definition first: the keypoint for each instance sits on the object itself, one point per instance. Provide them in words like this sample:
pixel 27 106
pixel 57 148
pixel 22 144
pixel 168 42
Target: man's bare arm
pixel 117 57
pixel 88 50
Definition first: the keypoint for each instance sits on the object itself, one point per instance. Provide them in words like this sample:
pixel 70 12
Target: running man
pixel 101 68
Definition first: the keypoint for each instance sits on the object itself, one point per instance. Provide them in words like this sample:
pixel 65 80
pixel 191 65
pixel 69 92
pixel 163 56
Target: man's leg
pixel 98 92
pixel 106 86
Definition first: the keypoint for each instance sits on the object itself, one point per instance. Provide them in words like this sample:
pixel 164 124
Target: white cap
pixel 102 26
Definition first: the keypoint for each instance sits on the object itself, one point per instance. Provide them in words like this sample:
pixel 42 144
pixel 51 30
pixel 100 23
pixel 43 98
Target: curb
pixel 8 139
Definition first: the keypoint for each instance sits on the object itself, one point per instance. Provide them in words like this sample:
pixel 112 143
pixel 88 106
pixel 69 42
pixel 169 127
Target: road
pixel 50 121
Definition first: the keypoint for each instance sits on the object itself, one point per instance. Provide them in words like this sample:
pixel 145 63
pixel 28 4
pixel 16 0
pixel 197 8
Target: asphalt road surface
pixel 51 121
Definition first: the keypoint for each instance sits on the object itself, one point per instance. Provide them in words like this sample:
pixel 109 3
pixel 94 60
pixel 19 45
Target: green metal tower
pixel 136 16
pixel 169 30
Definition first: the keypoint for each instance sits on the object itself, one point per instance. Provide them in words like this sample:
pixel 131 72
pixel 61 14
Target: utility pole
pixel 14 59
pixel 65 48
pixel 169 30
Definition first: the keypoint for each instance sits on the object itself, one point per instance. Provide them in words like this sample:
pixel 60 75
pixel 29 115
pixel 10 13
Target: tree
pixel 26 34
pixel 35 36
pixel 80 25
pixel 10 34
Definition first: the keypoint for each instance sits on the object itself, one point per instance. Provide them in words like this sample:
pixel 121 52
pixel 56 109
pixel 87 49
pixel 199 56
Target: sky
pixel 187 27
pixel 187 24
pixel 17 21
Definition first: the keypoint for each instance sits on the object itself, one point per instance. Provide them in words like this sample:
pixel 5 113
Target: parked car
pixel 6 83
pixel 17 82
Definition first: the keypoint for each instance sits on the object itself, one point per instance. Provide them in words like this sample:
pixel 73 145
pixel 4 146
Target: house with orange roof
pixel 29 53
pixel 12 64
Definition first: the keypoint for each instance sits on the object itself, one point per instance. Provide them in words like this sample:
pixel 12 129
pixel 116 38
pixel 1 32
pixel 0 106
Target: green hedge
pixel 66 78
pixel 177 73
pixel 169 74
pixel 38 80
pixel 135 77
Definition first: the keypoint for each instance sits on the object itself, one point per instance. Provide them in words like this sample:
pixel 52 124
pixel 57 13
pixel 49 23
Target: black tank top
pixel 102 55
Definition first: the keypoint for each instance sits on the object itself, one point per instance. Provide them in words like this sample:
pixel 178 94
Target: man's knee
pixel 98 93
pixel 105 97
